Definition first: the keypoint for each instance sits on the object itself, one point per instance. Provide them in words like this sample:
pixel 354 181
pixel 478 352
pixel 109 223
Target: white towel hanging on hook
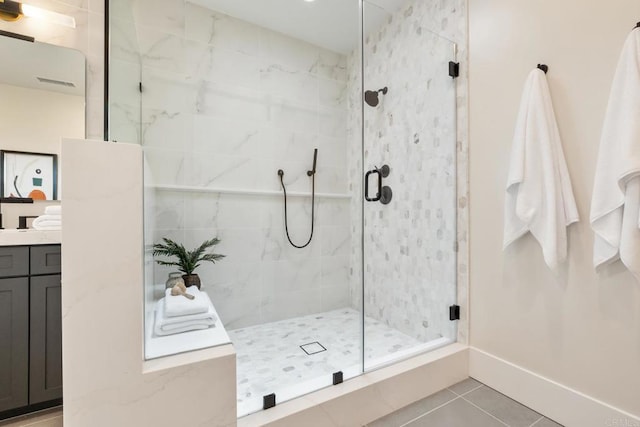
pixel 615 205
pixel 539 197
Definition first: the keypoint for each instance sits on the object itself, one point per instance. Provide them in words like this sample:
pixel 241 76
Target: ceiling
pixel 331 24
pixel 24 62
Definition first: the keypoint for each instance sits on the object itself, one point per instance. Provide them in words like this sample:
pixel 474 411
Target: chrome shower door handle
pixel 366 186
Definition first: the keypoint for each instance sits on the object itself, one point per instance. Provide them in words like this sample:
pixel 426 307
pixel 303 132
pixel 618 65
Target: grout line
pixel 491 415
pixel 430 411
pixel 537 421
pixel 466 392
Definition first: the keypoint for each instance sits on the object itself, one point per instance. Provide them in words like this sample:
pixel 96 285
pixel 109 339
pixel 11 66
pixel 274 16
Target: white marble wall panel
pixel 225 104
pixel 262 278
pixel 410 259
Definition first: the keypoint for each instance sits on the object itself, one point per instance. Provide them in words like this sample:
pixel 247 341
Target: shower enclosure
pixel 236 102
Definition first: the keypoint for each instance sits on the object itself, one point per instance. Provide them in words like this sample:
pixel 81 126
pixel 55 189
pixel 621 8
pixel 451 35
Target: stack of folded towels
pixel 176 314
pixel 51 220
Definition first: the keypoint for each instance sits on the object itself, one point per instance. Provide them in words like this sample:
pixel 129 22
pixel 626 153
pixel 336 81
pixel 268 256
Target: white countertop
pixel 14 237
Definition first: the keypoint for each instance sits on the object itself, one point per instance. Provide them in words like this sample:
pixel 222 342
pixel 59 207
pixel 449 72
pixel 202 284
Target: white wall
pixel 580 329
pixel 56 114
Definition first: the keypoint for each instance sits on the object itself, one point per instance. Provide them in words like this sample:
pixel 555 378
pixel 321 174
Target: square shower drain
pixel 313 348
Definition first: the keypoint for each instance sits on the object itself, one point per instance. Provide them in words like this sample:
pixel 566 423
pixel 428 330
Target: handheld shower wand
pixel 315 158
pixel 311 173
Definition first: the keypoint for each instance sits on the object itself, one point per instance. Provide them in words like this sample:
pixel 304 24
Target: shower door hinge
pixel 337 378
pixel 454 312
pixel 454 69
pixel 269 401
pixel 140 87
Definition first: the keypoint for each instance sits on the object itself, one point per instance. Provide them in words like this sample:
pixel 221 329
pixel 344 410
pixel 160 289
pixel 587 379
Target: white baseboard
pixel 556 401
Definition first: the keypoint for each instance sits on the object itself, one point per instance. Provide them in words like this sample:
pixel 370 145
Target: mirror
pixel 42 99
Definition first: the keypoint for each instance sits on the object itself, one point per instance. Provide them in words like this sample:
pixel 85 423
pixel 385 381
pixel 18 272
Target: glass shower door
pixel 409 173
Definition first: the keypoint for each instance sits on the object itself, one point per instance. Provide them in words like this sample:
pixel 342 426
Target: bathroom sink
pixel 15 237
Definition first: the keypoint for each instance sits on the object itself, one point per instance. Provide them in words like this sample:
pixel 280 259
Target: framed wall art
pixel 32 175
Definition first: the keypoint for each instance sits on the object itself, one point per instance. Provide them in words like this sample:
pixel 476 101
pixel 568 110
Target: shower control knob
pixel 385 195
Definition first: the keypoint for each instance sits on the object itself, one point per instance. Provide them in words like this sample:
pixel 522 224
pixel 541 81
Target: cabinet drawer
pixel 14 261
pixel 46 259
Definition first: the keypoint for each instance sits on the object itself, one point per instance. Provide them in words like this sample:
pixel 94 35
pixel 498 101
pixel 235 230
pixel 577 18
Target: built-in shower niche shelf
pixel 248 192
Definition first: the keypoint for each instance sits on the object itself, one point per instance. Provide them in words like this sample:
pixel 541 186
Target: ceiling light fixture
pixel 12 11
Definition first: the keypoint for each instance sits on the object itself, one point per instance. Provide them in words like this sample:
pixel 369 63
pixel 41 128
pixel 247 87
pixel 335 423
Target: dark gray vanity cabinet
pixel 45 337
pixel 14 343
pixel 30 327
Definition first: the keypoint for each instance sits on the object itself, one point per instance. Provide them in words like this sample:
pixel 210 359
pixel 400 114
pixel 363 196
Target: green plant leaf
pixel 187 261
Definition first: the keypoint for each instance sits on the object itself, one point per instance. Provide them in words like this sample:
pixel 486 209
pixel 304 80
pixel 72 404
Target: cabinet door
pixel 46 259
pixel 14 343
pixel 45 379
pixel 14 261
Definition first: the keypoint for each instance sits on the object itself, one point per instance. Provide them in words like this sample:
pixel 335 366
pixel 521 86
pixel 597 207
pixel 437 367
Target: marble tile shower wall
pixel 410 264
pixel 225 104
pixel 87 37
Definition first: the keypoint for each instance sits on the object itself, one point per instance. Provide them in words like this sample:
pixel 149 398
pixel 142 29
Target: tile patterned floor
pixel 469 403
pixel 269 356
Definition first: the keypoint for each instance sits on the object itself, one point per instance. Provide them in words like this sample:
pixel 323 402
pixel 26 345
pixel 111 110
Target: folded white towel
pixel 53 210
pixel 181 306
pixel 174 325
pixel 615 213
pixel 47 222
pixel 48 228
pixel 539 197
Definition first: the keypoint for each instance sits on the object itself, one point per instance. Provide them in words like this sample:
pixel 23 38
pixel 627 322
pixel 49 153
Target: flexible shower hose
pixel 313 204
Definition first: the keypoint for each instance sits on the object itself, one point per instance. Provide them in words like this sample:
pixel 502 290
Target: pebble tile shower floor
pixel 270 356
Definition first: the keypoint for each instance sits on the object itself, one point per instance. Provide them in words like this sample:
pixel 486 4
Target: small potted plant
pixel 187 261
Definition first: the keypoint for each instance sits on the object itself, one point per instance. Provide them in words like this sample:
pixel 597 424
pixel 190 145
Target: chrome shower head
pixel 371 96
